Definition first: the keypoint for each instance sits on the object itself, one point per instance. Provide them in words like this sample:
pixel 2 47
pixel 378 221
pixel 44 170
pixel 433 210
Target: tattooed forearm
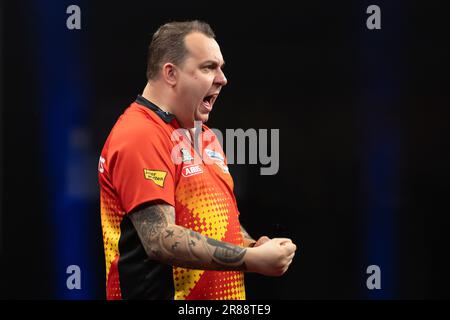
pixel 176 245
pixel 225 252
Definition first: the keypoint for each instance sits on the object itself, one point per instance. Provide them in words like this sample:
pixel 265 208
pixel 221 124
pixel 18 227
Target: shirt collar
pixel 164 115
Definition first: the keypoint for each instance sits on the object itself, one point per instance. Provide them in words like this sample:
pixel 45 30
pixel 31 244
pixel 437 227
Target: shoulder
pixel 137 126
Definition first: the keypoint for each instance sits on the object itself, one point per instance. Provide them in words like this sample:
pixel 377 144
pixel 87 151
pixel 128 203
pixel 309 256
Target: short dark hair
pixel 168 45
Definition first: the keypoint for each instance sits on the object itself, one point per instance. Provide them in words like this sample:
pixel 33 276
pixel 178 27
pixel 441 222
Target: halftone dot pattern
pixel 208 208
pixel 205 208
pixel 113 282
pixel 185 278
pixel 111 216
pixel 219 285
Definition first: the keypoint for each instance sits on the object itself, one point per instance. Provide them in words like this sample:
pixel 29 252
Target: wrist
pixel 249 259
pixel 249 243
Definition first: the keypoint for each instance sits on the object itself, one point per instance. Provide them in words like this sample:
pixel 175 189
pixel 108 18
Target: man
pixel 169 216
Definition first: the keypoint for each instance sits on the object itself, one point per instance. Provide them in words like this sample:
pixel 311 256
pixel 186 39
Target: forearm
pixel 182 247
pixel 175 245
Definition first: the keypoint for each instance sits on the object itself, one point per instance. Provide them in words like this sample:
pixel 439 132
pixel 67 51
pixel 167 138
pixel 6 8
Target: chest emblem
pixel 191 170
pixel 186 155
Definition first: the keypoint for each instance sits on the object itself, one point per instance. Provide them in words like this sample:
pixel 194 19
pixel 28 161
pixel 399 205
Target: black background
pixel 306 68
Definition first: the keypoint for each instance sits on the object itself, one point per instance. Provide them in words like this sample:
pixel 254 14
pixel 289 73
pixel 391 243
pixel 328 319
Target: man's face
pixel 200 79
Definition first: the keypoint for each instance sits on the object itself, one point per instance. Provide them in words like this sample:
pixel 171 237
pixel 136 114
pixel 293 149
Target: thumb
pixel 261 241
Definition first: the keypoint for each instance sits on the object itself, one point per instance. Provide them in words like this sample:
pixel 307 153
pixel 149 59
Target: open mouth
pixel 208 101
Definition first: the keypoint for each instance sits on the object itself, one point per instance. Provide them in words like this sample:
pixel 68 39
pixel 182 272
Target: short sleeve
pixel 141 168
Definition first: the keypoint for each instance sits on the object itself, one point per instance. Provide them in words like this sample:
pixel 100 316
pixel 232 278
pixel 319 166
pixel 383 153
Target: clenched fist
pixel 270 257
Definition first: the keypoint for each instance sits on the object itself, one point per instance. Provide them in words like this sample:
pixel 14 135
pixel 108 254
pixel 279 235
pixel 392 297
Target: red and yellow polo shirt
pixel 147 158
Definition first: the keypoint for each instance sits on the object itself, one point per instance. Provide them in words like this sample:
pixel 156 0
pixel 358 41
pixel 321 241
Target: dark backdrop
pixel 364 138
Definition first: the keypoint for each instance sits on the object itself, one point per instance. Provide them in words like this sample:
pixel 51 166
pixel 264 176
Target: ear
pixel 170 74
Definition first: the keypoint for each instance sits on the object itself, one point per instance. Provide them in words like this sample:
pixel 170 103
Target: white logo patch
pixel 214 155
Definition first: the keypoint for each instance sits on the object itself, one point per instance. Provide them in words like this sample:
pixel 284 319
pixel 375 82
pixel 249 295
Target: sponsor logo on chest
pixel 186 155
pixel 191 170
pixel 214 155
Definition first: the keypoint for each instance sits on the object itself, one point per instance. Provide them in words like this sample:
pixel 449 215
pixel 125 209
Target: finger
pixel 282 240
pixel 285 243
pixel 288 260
pixel 286 265
pixel 293 245
pixel 290 248
pixel 291 256
pixel 285 269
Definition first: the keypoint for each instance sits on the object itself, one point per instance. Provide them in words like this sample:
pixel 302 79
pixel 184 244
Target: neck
pixel 163 97
pixel 154 93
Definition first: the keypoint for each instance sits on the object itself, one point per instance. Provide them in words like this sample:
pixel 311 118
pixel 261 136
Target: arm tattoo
pixel 169 234
pixel 167 242
pixel 225 252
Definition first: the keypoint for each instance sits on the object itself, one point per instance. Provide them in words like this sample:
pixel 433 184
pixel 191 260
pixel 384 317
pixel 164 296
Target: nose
pixel 220 78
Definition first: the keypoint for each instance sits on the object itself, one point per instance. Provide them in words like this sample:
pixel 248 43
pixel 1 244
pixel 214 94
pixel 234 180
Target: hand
pixel 261 241
pixel 271 258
